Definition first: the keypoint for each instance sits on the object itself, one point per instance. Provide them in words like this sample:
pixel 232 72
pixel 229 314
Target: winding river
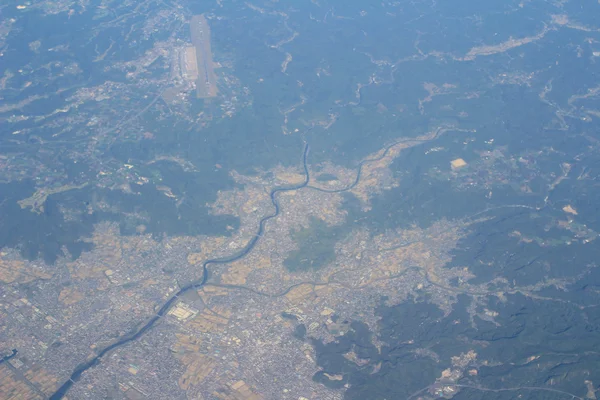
pixel 79 370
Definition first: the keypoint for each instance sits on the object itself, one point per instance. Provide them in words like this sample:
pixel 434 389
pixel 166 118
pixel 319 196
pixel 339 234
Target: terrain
pixel 299 200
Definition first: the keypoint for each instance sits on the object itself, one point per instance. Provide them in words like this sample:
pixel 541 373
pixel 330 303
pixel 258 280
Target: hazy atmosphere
pixel 299 199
